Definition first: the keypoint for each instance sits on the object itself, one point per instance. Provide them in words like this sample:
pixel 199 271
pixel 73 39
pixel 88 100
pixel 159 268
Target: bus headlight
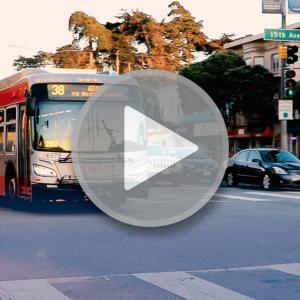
pixel 44 171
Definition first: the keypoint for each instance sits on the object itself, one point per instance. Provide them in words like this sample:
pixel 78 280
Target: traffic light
pixel 290 83
pixel 283 54
pixel 292 56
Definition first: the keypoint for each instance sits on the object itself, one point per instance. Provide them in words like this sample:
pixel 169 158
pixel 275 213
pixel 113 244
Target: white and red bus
pixel 37 113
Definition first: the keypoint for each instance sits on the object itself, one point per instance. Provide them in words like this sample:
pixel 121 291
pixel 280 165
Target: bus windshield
pixel 58 108
pixel 53 124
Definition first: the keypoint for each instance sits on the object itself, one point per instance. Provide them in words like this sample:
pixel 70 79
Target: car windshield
pixel 54 123
pixel 184 152
pixel 277 156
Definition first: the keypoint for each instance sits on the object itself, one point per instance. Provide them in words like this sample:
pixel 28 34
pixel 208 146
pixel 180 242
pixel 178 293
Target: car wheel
pixel 231 180
pixel 266 182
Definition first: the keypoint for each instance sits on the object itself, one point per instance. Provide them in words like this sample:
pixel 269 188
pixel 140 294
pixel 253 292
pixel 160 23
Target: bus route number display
pixel 80 91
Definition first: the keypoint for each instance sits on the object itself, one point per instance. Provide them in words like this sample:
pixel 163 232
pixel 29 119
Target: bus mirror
pixel 27 93
pixel 30 106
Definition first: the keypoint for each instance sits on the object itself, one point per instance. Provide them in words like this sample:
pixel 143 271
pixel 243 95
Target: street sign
pixel 271 6
pixel 291 35
pixel 294 6
pixel 285 109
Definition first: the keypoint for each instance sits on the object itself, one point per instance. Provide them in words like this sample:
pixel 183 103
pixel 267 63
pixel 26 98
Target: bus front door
pixel 24 154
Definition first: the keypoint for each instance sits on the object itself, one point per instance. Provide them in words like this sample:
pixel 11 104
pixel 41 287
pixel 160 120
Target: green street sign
pixel 291 35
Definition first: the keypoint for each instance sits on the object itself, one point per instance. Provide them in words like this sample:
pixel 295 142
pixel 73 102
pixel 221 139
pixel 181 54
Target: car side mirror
pixel 256 160
pixel 30 106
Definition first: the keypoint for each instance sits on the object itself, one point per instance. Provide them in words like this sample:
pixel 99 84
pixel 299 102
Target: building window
pixel 274 63
pixel 259 60
pixel 248 61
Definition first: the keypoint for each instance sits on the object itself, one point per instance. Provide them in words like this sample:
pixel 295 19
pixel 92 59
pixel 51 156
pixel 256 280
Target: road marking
pixel 181 283
pixel 242 198
pixel 293 269
pixel 220 201
pixel 289 268
pixel 29 290
pixel 190 287
pixel 279 195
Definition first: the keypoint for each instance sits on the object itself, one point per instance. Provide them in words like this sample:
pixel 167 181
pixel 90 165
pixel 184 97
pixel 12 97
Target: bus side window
pixel 1 138
pixel 1 116
pixel 1 130
pixel 11 115
pixel 10 130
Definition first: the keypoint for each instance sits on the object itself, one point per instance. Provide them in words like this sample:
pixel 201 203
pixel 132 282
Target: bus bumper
pixel 47 192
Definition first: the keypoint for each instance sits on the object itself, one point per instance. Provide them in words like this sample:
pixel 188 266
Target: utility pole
pixel 283 123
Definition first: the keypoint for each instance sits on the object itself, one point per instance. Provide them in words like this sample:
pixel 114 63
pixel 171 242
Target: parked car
pixel 267 167
pixel 161 160
pixel 197 165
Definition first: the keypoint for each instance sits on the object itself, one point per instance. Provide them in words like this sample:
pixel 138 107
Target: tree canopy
pixel 36 61
pixel 185 33
pixel 134 41
pixel 236 87
pixel 87 30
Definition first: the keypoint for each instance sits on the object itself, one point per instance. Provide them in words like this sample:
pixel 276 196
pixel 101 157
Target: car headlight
pixel 44 171
pixel 278 170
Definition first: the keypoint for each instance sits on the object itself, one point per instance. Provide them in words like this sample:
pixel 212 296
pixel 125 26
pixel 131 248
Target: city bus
pixel 37 113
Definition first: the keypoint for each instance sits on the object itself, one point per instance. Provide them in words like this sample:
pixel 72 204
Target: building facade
pixel 256 51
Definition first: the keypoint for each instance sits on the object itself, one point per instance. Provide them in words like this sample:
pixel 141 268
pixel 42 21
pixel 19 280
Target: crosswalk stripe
pixel 293 269
pixel 190 287
pixel 242 198
pixel 38 289
pixel 279 195
pixel 292 192
pixel 220 201
pixel 180 283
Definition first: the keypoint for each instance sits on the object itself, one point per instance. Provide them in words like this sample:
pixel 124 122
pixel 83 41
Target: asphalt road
pixel 244 244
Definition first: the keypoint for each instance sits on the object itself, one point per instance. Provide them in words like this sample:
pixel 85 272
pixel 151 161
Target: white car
pixel 160 160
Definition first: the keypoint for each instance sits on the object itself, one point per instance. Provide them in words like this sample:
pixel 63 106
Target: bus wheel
pixel 11 189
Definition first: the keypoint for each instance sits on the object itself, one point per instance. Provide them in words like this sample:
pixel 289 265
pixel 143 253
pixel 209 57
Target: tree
pixel 209 74
pixel 218 44
pixel 123 56
pixel 135 41
pixel 184 33
pixel 148 36
pixel 70 57
pixel 253 89
pixel 236 87
pixel 35 61
pixel 87 29
pixel 89 34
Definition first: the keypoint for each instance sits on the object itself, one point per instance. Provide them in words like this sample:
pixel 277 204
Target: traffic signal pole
pixel 283 123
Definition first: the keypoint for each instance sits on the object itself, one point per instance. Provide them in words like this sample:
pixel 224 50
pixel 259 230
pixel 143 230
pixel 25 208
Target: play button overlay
pixel 177 141
pixel 150 149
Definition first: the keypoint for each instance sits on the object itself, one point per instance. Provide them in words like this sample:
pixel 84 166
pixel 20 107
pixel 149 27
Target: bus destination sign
pixel 67 91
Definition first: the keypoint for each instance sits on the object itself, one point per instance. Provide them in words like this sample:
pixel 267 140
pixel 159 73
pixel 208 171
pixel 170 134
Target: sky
pixel 43 25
